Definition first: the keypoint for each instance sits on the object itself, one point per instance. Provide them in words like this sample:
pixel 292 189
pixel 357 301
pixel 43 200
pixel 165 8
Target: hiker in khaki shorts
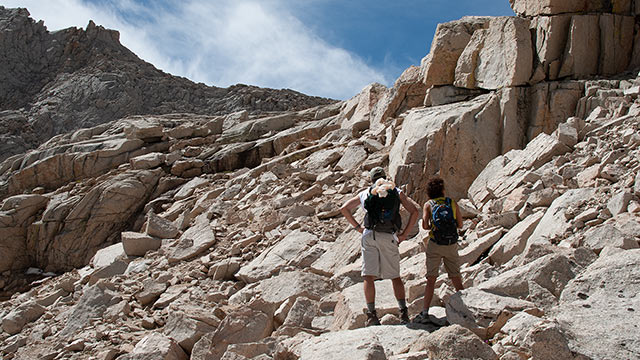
pixel 440 216
pixel 381 237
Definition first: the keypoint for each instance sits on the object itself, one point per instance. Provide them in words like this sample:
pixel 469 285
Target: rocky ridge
pixel 219 237
pixel 57 82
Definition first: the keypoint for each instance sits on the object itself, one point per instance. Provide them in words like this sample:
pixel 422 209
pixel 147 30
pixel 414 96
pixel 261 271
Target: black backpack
pixel 445 228
pixel 383 213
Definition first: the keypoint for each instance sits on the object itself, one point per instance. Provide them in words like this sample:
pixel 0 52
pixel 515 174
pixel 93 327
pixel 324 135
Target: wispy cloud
pixel 221 42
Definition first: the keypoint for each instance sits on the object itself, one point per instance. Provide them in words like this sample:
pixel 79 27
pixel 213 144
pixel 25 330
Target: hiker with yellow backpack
pixel 441 217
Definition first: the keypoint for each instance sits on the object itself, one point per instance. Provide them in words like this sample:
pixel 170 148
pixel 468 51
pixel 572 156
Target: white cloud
pixel 221 42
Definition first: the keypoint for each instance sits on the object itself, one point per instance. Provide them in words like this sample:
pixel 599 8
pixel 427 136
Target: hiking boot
pixel 372 318
pixel 404 316
pixel 422 318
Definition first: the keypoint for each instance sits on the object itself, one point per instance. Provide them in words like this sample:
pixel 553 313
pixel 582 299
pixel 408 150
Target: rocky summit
pixel 149 217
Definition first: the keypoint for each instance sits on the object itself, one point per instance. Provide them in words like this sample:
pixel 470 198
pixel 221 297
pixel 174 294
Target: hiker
pixel 440 216
pixel 381 237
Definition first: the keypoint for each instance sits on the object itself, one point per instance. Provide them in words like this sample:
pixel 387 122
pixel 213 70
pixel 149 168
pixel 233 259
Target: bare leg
pixel 457 283
pixel 398 288
pixel 369 289
pixel 428 291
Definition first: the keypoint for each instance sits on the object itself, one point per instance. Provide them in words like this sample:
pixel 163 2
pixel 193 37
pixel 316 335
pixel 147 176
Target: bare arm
pixel 347 210
pixel 413 212
pixel 426 216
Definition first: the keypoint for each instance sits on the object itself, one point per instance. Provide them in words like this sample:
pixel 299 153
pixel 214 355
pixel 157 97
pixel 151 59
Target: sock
pixel 402 304
pixel 371 307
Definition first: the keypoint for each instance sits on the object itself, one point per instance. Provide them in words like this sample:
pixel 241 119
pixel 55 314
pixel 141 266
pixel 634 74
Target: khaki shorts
pixel 438 253
pixel 380 255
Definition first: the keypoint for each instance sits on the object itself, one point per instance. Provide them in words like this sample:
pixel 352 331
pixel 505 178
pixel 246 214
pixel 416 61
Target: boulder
pixel 599 237
pixel 580 60
pixel 241 326
pixel 73 228
pixel 472 252
pixel 447 45
pixel 340 253
pixel 349 311
pixel 137 244
pixel 273 259
pixel 552 272
pixel 147 161
pixel 458 139
pixel 225 269
pixel 506 56
pixel 515 240
pixel 185 330
pixel 376 342
pixel 554 224
pixel 616 43
pixel 156 346
pixel 291 284
pixel 407 92
pixel 351 158
pixel 197 239
pixel 14 321
pixel 600 310
pixel 356 112
pixel 619 202
pixel 151 291
pixel 483 312
pixel 92 304
pixel 16 214
pixel 455 342
pixel 160 227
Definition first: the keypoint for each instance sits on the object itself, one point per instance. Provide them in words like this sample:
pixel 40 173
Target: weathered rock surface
pixel 599 294
pixel 256 261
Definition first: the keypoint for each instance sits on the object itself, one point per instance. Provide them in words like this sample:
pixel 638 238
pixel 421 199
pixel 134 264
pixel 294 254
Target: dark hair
pixel 435 188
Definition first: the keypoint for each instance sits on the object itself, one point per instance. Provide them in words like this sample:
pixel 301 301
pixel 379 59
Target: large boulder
pixel 286 285
pixel 551 273
pixel 446 47
pixel 515 240
pixel 599 308
pixel 198 238
pixel 73 228
pixel 505 56
pixel 241 326
pixel 376 342
pixel 156 346
pixel 284 253
pixel 349 310
pixel 579 58
pixel 458 139
pixel 483 312
pixel 16 214
pixel 340 253
pixel 14 321
pixel 407 92
pixel 455 342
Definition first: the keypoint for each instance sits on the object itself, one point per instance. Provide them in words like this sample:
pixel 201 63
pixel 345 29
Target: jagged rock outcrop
pixel 57 82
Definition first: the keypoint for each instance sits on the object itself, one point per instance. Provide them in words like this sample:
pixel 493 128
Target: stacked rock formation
pixel 186 236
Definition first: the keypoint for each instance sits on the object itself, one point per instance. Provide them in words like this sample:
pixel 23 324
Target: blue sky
pixel 329 48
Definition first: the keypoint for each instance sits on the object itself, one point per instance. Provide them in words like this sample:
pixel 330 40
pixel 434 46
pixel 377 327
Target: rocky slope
pixel 219 237
pixel 56 82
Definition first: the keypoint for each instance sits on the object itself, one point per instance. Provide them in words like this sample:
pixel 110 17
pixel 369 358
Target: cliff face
pixel 185 236
pixel 51 83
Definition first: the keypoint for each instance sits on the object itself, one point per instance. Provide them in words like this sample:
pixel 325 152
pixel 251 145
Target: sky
pixel 329 48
